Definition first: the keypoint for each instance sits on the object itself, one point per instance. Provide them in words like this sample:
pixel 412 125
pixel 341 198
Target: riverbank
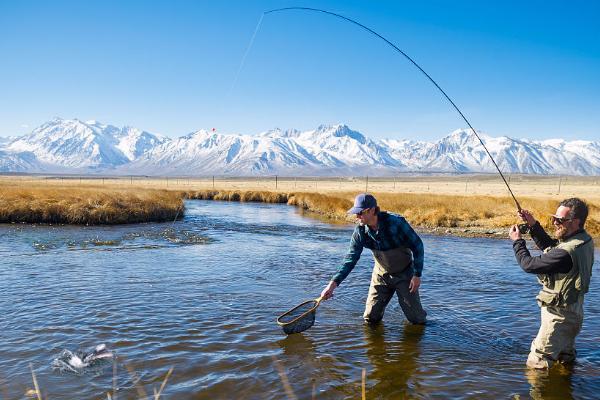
pixel 430 204
pixel 88 206
pixel 472 216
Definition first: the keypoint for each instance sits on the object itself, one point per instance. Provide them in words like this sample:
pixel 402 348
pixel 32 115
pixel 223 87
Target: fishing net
pixel 299 318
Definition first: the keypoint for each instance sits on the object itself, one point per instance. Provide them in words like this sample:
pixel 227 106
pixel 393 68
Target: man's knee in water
pixel 416 317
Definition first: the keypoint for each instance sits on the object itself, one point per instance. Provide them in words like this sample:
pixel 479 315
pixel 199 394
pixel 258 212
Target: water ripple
pixel 202 296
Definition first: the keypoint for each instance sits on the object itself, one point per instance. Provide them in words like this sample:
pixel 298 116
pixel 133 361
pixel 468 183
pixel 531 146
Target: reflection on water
pixel 393 360
pixel 202 295
pixel 553 384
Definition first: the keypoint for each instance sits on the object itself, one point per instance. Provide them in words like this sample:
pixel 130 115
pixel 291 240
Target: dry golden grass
pixel 325 205
pixel 421 210
pixel 91 206
pixel 236 195
pixel 551 187
pixel 446 211
pixel 476 211
pixel 453 202
pixel 328 206
pixel 458 211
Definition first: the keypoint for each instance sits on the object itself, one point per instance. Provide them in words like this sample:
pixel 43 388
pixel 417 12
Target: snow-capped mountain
pixel 77 145
pixel 63 146
pixel 18 162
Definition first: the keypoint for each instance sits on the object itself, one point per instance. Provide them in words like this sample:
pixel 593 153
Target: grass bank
pixel 465 215
pixel 87 206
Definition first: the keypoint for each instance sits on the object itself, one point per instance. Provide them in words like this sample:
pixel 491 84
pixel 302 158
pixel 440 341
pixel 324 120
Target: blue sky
pixel 521 69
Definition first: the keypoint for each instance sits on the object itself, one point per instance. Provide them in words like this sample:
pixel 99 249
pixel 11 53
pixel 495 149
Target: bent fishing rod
pixel 409 59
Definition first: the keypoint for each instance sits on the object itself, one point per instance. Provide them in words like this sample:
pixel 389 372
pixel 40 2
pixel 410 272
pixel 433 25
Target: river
pixel 202 295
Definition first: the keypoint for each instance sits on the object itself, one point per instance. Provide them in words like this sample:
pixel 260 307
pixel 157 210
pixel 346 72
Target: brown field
pixel 86 205
pixel 551 187
pixel 466 204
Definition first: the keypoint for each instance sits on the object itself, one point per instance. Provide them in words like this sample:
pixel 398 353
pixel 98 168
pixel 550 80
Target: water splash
pixel 80 362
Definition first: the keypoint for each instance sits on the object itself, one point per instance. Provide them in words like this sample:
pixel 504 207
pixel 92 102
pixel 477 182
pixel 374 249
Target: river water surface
pixel 202 295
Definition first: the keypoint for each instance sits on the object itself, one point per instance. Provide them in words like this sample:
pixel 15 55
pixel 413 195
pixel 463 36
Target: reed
pixel 236 195
pixel 328 206
pixel 37 390
pixel 87 206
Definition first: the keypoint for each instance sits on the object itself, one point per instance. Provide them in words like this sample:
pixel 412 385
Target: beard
pixel 561 232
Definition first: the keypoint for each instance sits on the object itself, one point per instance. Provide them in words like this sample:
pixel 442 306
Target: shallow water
pixel 202 295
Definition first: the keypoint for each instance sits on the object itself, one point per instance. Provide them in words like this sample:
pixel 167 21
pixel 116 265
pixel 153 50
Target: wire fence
pixel 523 185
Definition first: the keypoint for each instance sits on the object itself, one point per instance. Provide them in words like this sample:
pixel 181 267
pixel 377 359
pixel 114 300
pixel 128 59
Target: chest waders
pixel 561 303
pixel 393 261
pixel 392 273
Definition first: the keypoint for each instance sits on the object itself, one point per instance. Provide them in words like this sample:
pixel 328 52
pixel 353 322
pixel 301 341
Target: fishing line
pixel 407 57
pixel 246 53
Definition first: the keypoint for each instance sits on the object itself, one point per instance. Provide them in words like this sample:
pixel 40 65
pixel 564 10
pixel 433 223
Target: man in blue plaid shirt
pixel 398 253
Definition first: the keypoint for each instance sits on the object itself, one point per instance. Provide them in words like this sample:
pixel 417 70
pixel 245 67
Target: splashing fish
pixel 78 362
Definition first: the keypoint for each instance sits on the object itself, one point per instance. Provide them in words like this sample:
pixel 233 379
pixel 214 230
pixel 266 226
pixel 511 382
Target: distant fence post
pixel 394 182
pixel 275 182
pixel 213 182
pixel 559 183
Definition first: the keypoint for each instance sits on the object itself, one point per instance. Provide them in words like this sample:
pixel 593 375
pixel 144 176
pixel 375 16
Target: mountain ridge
pixel 74 146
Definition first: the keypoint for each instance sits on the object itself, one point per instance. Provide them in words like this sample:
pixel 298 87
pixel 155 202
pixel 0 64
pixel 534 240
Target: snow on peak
pixel 280 133
pixel 466 135
pixel 71 145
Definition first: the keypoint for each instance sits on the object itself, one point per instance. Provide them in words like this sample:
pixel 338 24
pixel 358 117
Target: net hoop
pixel 304 314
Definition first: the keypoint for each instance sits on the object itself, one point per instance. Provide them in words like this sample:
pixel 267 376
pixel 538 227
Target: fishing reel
pixel 523 228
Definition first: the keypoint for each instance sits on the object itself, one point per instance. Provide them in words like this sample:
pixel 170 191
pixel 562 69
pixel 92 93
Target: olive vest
pixel 562 289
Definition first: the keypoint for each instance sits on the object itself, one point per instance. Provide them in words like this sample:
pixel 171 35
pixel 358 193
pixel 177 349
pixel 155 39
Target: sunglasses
pixel 560 220
pixel 363 211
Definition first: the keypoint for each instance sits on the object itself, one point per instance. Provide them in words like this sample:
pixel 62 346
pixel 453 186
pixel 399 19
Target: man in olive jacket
pixel 564 270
